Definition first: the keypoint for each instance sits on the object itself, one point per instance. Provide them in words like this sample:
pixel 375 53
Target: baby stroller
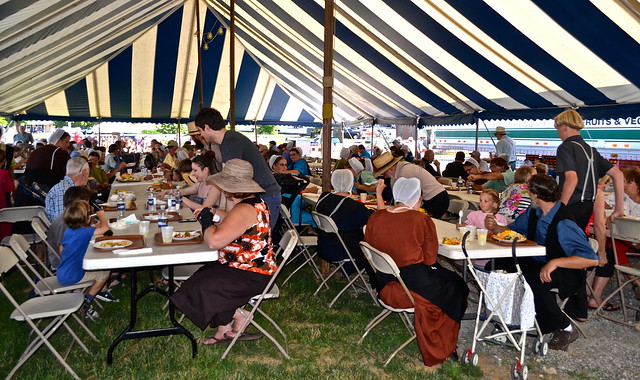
pixel 506 305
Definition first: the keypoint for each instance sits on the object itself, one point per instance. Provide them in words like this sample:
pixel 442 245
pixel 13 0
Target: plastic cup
pixel 363 197
pixel 143 228
pixel 482 236
pixel 472 235
pixel 167 234
pixel 130 171
pixel 463 230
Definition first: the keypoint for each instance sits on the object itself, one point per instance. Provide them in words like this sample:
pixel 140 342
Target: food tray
pixel 138 241
pixel 520 243
pixel 157 239
pixel 130 208
pixel 171 217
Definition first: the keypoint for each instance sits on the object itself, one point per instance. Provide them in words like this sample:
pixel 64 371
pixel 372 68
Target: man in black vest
pixel 567 253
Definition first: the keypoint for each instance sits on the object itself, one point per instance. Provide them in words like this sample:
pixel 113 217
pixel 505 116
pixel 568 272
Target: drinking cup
pixel 143 228
pixel 363 197
pixel 472 235
pixel 463 230
pixel 167 234
pixel 130 171
pixel 482 236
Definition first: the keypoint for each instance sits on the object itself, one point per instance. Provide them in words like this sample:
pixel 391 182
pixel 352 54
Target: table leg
pixel 128 332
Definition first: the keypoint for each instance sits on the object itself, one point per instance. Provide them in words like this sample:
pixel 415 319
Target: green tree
pixel 267 129
pixel 166 129
pixel 84 125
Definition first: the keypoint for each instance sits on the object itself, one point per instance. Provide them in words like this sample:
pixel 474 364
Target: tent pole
pixel 255 129
pixel 415 139
pixel 178 131
pixel 199 49
pixel 327 93
pixel 477 133
pixel 232 68
pixel 373 123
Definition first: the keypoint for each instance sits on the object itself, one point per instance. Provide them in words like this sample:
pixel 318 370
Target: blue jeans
pixel 273 203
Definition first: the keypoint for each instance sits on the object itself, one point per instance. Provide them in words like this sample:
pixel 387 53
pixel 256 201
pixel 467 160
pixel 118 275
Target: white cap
pixel 342 180
pixel 473 161
pixel 345 153
pixel 407 191
pixel 56 135
pixel 273 159
pixel 356 164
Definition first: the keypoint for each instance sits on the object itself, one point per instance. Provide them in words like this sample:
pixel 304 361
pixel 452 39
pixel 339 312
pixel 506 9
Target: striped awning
pixel 423 60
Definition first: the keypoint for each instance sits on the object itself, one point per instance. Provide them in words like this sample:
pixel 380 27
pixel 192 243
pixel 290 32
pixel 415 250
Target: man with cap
pixel 435 199
pixel 505 147
pixel 483 166
pixel 201 143
pixel 235 145
pixel 47 164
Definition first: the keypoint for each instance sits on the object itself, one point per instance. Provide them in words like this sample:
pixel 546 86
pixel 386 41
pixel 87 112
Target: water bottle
pixel 460 183
pixel 162 217
pixel 144 171
pixel 172 202
pixel 469 188
pixel 121 206
pixel 151 201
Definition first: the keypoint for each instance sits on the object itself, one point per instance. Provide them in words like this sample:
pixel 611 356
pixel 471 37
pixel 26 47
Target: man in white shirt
pixel 506 147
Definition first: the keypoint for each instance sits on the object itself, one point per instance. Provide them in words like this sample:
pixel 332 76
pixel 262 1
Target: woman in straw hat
pixel 242 236
pixel 440 295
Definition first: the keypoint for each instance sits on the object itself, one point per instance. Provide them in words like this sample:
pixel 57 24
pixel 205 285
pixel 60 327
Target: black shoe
pixel 561 339
pixel 106 296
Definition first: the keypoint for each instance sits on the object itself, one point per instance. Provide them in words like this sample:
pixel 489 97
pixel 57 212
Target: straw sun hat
pixel 385 161
pixel 193 130
pixel 236 177
pixel 501 131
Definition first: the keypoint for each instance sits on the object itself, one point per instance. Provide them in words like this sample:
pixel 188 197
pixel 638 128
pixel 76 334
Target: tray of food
pixel 507 237
pixel 154 216
pixel 109 243
pixel 179 238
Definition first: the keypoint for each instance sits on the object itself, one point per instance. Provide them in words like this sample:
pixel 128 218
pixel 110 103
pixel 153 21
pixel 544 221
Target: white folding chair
pixel 327 225
pixel 382 262
pixel 304 242
pixel 40 229
pixel 45 220
pixel 455 206
pixel 627 229
pixel 20 214
pixel 271 291
pixel 57 308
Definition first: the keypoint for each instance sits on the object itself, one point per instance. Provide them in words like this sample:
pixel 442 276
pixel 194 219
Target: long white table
pixel 161 256
pixel 476 251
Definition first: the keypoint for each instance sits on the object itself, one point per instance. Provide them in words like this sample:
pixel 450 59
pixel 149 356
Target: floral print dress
pixel 515 200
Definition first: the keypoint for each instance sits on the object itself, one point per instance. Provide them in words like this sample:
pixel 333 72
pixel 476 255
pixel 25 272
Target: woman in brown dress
pixel 410 238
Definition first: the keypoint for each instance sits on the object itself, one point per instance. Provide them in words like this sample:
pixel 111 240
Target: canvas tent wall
pixel 436 61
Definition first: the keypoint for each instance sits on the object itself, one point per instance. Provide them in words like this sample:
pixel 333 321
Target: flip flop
pixel 213 341
pixel 610 307
pixel 245 336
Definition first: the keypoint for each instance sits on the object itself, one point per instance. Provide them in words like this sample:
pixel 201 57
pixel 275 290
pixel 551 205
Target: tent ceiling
pixel 452 59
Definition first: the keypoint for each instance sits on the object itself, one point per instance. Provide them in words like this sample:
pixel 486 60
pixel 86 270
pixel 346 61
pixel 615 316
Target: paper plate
pixel 181 235
pixel 113 244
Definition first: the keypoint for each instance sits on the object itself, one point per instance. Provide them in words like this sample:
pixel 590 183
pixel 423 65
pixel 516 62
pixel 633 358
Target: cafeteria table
pixel 135 262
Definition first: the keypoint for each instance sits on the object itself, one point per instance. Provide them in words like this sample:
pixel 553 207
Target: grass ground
pixel 321 342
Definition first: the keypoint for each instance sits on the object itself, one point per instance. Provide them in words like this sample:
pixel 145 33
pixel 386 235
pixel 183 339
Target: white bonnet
pixel 342 180
pixel 407 190
pixel 356 165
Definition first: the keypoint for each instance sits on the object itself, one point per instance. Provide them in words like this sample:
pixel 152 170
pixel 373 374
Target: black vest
pixel 568 279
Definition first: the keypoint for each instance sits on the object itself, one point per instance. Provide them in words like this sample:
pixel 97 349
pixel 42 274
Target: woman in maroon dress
pixel 410 238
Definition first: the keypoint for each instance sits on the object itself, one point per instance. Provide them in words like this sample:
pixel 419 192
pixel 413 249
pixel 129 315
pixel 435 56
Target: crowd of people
pixel 236 187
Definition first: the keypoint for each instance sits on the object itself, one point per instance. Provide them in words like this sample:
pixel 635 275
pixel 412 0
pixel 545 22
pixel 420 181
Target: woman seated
pixel 299 165
pixel 242 236
pixel 516 198
pixel 200 193
pixel 349 215
pixel 292 186
pixel 410 238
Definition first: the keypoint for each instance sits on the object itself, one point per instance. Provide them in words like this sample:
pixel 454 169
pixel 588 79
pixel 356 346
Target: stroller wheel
pixel 474 359
pixel 470 357
pixel 542 348
pixel 515 370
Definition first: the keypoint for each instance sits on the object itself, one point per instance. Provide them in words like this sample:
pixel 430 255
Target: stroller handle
pixel 464 243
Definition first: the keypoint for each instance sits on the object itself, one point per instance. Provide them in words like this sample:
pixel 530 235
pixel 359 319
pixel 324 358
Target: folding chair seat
pixel 304 242
pixel 623 229
pixel 20 214
pixel 271 291
pixel 382 262
pixel 56 308
pixel 327 225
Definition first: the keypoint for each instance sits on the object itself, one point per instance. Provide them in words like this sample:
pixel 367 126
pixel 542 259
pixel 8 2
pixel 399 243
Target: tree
pixel 84 125
pixel 167 129
pixel 266 129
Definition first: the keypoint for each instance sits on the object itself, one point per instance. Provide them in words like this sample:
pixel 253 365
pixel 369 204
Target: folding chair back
pixel 40 229
pixel 22 248
pixel 19 214
pixel 54 308
pixel 288 243
pixel 328 226
pixel 457 205
pixel 626 229
pixel 382 262
pixel 304 242
pixel 45 220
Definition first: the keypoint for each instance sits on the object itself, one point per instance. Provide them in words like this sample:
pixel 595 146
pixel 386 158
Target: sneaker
pixel 561 339
pixel 90 312
pixel 106 296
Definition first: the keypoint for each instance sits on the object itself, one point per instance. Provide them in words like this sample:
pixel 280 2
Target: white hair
pixel 75 166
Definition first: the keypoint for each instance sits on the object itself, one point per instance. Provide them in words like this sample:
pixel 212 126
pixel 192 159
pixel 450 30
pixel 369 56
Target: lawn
pixel 322 342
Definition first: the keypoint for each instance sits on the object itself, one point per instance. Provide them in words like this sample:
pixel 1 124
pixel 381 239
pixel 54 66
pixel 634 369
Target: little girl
pixel 489 202
pixel 73 247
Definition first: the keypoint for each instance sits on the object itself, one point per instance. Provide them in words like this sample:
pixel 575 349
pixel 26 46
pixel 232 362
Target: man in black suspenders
pixel 579 167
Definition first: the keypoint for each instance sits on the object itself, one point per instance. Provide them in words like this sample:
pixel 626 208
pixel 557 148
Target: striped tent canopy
pixel 429 61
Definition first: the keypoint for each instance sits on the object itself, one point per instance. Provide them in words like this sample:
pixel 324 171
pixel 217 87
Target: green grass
pixel 322 342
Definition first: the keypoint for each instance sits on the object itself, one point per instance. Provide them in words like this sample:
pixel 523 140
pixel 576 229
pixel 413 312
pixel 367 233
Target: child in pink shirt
pixel 489 202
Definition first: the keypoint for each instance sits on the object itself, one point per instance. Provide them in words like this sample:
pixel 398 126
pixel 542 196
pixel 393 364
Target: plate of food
pixel 451 241
pixel 126 177
pixel 508 236
pixel 112 244
pixel 185 235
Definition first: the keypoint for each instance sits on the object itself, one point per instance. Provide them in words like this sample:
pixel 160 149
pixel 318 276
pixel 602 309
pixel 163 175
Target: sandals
pixel 610 307
pixel 245 336
pixel 213 341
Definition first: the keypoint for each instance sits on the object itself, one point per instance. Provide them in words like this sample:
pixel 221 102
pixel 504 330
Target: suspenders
pixel 591 172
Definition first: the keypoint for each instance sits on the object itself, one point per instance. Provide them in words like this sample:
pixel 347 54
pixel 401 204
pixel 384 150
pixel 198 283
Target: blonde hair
pixel 570 118
pixel 495 196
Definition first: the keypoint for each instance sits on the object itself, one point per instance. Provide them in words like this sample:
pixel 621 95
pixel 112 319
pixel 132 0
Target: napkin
pixel 124 252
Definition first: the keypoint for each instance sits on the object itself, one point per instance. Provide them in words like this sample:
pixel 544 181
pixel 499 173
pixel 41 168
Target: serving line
pixel 160 256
